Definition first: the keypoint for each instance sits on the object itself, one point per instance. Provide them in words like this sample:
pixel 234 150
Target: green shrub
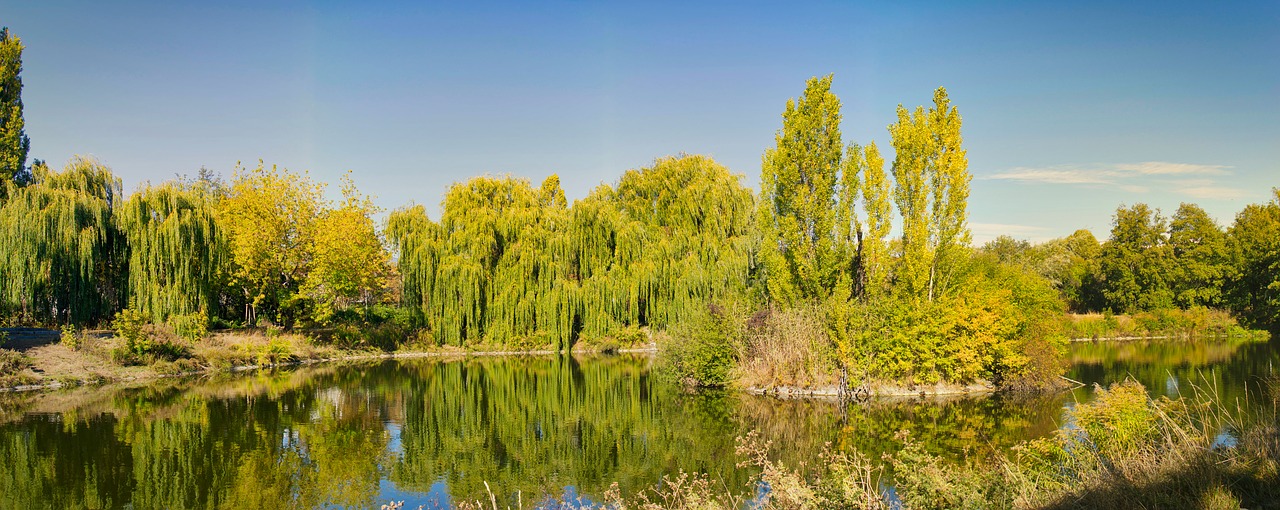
pixel 704 350
pixel 1120 419
pixel 130 325
pixel 276 351
pixel 70 337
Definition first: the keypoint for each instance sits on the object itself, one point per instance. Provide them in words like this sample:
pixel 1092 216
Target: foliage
pixel 509 262
pixel 704 349
pixel 130 325
pixel 269 218
pixel 787 347
pixel 70 337
pixel 12 361
pixel 61 255
pixel 191 327
pixel 1253 291
pixel 350 263
pixel 178 252
pixel 876 193
pixel 1200 257
pixel 803 250
pixel 1119 419
pixel 14 143
pixel 931 172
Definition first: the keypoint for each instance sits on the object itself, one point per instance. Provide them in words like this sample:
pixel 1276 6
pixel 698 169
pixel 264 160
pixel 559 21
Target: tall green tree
pixel 14 143
pixel 801 254
pixel 877 193
pixel 1135 262
pixel 1253 291
pixel 931 173
pixel 1200 258
pixel 178 256
pixel 61 254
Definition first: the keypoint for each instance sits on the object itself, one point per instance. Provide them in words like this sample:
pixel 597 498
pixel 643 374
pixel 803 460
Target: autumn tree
pixel 14 143
pixel 802 254
pixel 931 173
pixel 270 217
pixel 350 263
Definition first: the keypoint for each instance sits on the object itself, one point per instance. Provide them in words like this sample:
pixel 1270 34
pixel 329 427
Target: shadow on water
pixel 536 429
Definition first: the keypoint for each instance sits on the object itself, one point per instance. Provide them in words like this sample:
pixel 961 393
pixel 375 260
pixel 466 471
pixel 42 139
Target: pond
pixel 535 429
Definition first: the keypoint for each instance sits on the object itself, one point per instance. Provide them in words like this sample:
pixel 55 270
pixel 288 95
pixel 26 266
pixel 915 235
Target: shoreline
pixel 57 381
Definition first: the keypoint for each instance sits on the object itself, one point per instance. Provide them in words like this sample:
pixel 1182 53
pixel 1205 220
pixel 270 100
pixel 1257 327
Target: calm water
pixel 538 429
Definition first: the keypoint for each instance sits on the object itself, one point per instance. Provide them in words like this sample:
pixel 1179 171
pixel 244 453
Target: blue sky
pixel 1070 108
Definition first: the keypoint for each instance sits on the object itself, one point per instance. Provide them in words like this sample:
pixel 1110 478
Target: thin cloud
pixel 1213 192
pixel 1133 178
pixel 1163 168
pixel 1056 175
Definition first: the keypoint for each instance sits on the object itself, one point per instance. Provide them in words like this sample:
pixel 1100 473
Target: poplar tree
pixel 350 263
pixel 877 193
pixel 801 252
pixel 14 143
pixel 931 171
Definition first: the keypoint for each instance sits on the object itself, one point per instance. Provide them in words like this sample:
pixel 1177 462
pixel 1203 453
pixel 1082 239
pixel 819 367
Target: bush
pixel 12 361
pixel 70 337
pixel 130 325
pixel 193 326
pixel 704 350
pixel 1119 419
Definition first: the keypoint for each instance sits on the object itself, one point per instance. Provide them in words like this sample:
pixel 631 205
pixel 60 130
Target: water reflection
pixel 430 432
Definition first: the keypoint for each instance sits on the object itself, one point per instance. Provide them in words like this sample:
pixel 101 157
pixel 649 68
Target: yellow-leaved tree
pixel 349 262
pixel 269 219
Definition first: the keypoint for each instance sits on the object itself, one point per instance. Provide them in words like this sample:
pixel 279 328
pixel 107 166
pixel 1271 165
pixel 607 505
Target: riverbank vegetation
pixel 848 267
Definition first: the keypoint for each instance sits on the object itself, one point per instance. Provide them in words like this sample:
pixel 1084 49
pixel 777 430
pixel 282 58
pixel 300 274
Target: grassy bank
pixel 1165 323
pixel 1123 450
pixel 91 357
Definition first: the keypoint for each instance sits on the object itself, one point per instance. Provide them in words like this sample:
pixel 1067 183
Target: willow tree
pixel 270 216
pixel 801 254
pixel 61 255
pixel 674 237
pixel 931 172
pixel 349 262
pixel 485 270
pixel 177 251
pixel 14 143
pixel 512 264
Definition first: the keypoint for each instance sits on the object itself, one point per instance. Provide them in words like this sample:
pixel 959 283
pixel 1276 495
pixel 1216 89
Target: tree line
pixel 678 245
pixel 1149 262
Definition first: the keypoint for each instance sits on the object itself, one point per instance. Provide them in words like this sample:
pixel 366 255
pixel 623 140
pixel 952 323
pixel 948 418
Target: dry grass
pixel 787 348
